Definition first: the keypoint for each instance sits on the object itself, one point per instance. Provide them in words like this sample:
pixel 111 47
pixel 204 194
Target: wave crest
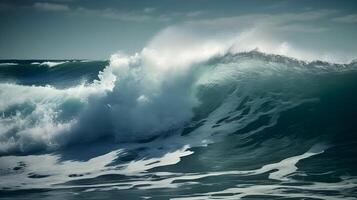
pixel 153 92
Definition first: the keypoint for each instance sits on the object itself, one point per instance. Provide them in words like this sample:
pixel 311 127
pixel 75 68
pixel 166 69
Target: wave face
pixel 216 125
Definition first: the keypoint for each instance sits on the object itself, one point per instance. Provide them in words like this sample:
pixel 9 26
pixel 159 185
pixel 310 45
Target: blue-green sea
pixel 233 126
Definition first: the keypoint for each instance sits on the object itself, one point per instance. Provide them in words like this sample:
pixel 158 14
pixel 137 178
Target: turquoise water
pixel 234 126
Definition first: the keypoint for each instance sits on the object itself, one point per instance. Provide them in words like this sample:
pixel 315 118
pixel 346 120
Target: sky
pixel 91 29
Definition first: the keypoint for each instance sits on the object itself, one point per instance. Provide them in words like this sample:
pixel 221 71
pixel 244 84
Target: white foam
pixel 58 172
pixel 51 63
pixel 49 165
pixel 313 190
pixel 36 125
pixel 279 171
pixel 5 64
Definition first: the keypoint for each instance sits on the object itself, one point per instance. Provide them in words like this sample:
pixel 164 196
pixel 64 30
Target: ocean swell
pixel 145 95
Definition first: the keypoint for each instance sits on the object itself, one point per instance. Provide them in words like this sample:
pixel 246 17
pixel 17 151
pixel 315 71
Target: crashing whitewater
pixel 178 119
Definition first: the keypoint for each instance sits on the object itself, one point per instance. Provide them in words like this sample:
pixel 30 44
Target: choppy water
pixel 246 125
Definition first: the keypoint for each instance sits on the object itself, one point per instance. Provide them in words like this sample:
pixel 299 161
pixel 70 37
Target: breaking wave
pixel 173 117
pixel 152 94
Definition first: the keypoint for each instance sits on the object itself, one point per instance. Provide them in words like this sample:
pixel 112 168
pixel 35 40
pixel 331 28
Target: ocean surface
pixel 243 125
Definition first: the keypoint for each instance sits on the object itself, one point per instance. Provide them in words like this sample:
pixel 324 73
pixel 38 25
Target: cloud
pixel 110 13
pixel 301 22
pixel 5 6
pixel 279 5
pixel 346 19
pixel 143 15
pixel 302 28
pixel 194 13
pixel 269 19
pixel 149 10
pixel 50 6
pixel 146 14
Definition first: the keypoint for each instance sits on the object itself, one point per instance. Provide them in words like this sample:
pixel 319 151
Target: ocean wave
pixel 139 97
pixel 7 64
pixel 190 116
pixel 51 63
pixel 163 89
pixel 266 124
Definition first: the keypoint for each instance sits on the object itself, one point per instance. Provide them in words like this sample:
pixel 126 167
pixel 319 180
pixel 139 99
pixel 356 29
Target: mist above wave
pixel 156 91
